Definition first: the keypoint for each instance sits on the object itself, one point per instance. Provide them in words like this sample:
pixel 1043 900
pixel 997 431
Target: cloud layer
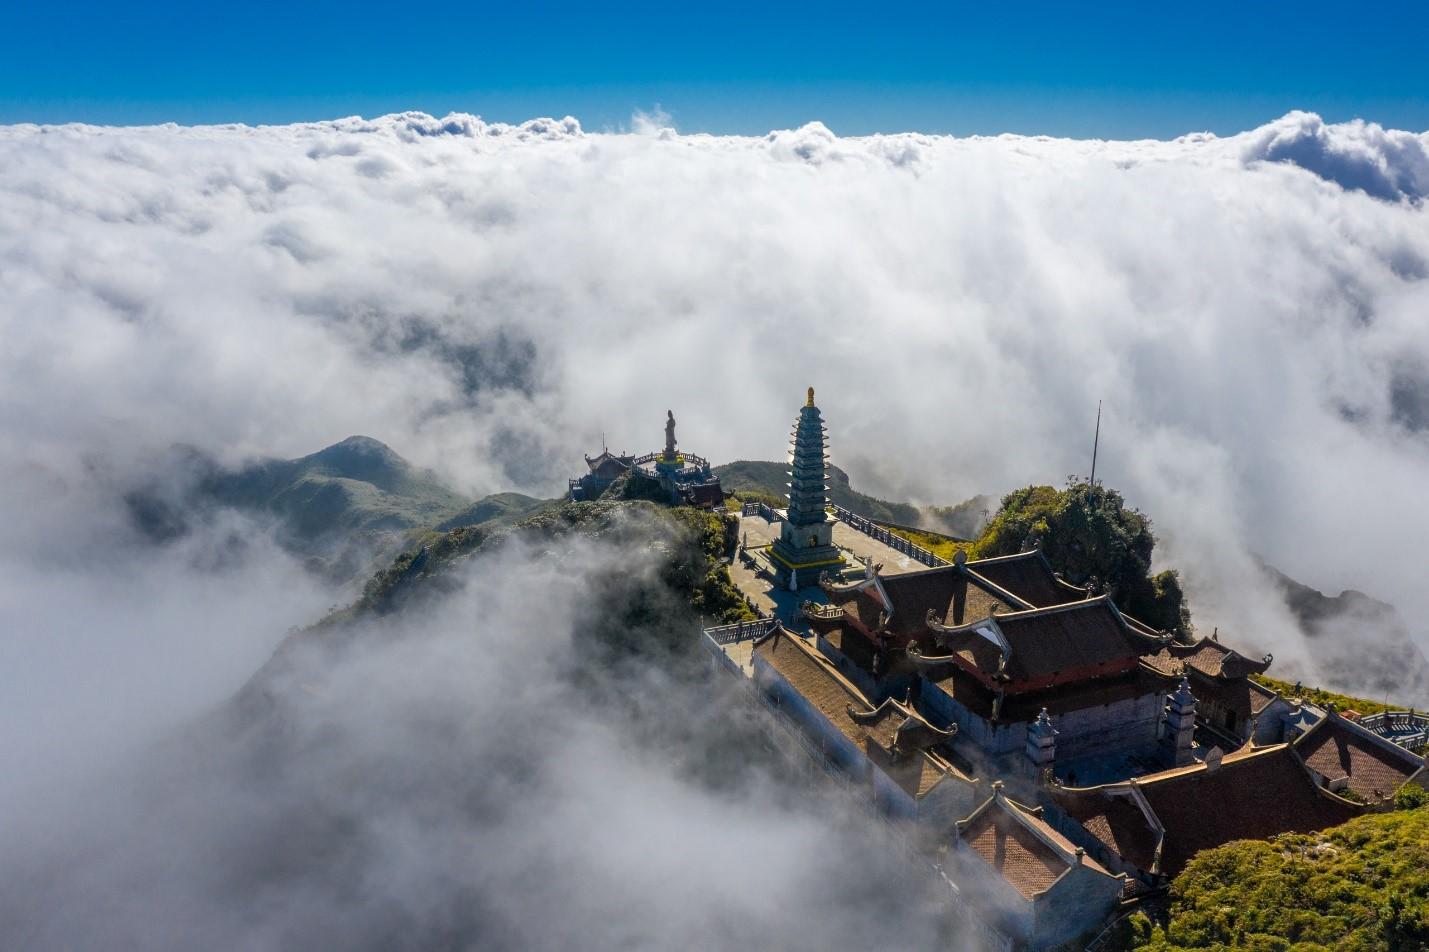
pixel 489 299
pixel 442 780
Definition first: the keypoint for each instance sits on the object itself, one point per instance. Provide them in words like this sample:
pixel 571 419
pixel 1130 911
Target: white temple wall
pixel 891 798
pixel 1075 904
pixel 1122 727
pixel 993 738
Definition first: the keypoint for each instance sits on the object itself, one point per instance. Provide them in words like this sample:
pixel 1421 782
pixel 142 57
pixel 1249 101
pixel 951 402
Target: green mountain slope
pixel 357 485
pixel 498 507
pixel 759 478
pixel 339 509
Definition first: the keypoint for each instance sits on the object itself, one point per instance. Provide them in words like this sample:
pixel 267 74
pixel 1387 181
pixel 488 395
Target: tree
pixel 1090 537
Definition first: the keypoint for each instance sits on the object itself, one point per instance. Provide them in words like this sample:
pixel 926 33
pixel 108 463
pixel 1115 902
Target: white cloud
pixel 488 298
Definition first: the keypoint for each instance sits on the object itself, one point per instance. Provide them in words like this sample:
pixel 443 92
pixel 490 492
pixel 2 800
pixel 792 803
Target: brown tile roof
pixel 1115 819
pixel 914 594
pixel 916 776
pixel 1046 642
pixel 1016 842
pixel 1028 576
pixel 898 728
pixel 1210 658
pixel 1338 748
pixel 809 673
pixel 1260 696
pixel 1256 793
pixel 1016 853
pixel 705 495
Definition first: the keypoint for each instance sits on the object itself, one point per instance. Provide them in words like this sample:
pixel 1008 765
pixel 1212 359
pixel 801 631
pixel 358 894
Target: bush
pixel 1090 537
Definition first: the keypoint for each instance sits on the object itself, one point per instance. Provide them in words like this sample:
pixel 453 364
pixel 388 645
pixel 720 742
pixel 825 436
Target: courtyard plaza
pixel 754 578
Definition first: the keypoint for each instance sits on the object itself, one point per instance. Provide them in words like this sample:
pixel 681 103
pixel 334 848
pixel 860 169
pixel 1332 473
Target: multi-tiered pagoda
pixel 805 547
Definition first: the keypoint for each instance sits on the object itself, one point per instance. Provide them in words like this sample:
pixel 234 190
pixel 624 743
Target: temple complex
pixel 1052 756
pixel 677 478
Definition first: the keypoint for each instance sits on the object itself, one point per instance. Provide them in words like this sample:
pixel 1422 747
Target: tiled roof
pixel 894 724
pixel 1210 658
pixel 811 675
pixel 1016 842
pixel 1050 641
pixel 1253 794
pixel 917 775
pixel 815 678
pixel 914 594
pixel 1115 819
pixel 1028 576
pixel 1027 863
pixel 1338 748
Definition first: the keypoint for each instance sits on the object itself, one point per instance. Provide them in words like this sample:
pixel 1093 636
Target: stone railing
pixel 889 538
pixel 816 610
pixel 1409 729
pixel 691 459
pixel 742 631
pixel 761 509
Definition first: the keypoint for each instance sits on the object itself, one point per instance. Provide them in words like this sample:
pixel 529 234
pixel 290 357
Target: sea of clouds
pixel 490 299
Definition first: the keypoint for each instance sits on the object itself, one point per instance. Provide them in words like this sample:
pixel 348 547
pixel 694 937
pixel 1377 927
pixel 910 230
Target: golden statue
pixel 811 398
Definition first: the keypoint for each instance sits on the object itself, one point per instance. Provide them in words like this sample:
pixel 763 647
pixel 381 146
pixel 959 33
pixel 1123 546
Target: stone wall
pixel 1123 727
pixel 1076 904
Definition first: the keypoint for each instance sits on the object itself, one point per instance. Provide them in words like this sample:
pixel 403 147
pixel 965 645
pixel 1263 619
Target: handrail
pixel 888 537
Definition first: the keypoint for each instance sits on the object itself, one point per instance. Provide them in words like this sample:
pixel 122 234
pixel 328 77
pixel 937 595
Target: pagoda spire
pixel 806 534
pixel 808 460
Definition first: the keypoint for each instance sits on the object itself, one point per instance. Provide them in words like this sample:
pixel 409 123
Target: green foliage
pixel 690 544
pixel 1090 536
pixel 1411 797
pixel 1322 698
pixel 1360 887
pixel 944 547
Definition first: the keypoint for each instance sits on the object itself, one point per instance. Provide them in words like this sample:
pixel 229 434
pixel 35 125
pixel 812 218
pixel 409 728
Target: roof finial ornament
pixel 811 398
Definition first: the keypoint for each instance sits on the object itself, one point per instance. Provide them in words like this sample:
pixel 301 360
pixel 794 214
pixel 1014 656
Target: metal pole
pixel 1095 441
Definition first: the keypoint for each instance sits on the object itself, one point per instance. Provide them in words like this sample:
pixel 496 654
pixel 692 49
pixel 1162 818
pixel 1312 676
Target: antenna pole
pixel 1096 440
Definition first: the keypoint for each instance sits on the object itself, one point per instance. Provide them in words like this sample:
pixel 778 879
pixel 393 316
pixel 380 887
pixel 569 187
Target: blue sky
pixel 1094 69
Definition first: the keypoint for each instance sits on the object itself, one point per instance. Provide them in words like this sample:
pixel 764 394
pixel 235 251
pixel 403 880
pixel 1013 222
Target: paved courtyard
pixel 756 582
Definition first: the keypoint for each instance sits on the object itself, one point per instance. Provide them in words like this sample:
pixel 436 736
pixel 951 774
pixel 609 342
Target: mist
pixel 489 300
pixel 468 773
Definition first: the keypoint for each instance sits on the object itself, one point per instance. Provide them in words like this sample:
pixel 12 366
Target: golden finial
pixel 811 398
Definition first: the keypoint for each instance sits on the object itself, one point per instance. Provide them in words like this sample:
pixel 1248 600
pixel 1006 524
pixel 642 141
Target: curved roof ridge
pixel 1000 617
pixel 993 588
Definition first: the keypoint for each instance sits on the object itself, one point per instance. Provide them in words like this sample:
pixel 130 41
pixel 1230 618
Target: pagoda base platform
pixel 805 564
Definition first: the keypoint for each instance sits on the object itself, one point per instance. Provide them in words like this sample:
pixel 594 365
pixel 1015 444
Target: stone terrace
pixel 770 599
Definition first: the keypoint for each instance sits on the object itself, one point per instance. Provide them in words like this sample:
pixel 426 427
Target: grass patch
pixel 1322 698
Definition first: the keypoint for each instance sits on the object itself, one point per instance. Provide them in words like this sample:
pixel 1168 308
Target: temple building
pixel 1055 756
pixel 1042 889
pixel 1228 701
pixel 1151 826
pixel 677 478
pixel 905 763
pixel 805 547
pixel 604 470
pixel 989 645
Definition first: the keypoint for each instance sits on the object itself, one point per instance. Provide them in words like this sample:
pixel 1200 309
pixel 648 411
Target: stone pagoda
pixel 805 547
